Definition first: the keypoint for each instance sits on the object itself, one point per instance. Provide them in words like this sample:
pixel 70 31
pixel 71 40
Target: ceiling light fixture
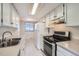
pixel 34 8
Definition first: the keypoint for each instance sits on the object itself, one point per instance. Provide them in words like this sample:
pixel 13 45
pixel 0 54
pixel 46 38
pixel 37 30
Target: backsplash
pixel 74 30
pixel 14 31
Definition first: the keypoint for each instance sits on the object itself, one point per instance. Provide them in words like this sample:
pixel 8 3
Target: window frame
pixel 29 30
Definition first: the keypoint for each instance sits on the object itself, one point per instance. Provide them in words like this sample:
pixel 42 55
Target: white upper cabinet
pixel 64 13
pixel 0 14
pixel 60 11
pixel 17 21
pixel 72 18
pixel 13 17
pixel 52 15
pixel 56 15
pixel 47 20
pixel 8 15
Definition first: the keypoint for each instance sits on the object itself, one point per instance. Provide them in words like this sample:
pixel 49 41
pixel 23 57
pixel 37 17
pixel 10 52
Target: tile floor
pixel 31 50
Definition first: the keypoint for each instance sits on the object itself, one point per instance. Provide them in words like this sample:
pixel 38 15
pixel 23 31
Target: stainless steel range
pixel 50 46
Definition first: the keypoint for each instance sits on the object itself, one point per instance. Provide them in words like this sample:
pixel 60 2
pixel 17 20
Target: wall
pixel 14 31
pixel 28 35
pixel 74 30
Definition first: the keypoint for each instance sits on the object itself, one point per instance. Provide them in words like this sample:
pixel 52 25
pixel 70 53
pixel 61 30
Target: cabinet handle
pixel 1 13
pixel 63 10
pixel 1 20
pixel 55 16
pixel 11 22
pixel 11 14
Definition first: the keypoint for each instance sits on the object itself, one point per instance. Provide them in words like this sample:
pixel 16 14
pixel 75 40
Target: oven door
pixel 49 48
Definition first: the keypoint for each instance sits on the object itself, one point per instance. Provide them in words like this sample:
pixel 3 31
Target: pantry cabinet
pixel 63 52
pixel 8 15
pixel 72 14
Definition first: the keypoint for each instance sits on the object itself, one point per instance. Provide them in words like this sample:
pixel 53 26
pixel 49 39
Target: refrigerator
pixel 40 32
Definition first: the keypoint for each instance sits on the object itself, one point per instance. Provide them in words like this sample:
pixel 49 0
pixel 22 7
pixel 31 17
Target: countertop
pixel 72 46
pixel 10 50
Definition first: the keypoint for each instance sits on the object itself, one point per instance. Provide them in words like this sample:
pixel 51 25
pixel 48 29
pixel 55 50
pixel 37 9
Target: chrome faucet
pixel 3 38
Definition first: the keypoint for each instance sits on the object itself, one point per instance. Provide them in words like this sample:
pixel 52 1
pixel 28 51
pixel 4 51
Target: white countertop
pixel 72 46
pixel 10 50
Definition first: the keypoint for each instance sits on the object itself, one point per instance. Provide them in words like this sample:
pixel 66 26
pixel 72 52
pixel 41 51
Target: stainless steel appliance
pixel 50 46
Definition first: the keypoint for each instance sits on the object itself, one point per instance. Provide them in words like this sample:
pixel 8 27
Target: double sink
pixel 10 42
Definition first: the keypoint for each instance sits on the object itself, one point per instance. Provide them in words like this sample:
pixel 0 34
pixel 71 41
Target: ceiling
pixel 24 9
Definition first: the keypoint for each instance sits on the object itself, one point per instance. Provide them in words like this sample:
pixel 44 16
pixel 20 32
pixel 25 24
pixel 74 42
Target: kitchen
pixel 52 29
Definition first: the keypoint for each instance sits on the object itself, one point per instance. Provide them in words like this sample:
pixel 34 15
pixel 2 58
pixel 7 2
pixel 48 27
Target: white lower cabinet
pixel 63 52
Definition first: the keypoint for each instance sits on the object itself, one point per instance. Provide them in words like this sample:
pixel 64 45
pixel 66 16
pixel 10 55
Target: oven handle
pixel 48 42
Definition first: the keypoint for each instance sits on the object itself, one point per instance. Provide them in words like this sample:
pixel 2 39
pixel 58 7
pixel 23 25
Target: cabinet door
pixel 60 10
pixel 0 14
pixel 13 17
pixel 72 14
pixel 6 14
pixel 55 13
pixel 17 22
pixel 52 15
pixel 47 20
pixel 11 21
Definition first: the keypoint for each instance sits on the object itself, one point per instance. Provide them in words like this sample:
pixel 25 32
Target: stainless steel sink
pixel 10 42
